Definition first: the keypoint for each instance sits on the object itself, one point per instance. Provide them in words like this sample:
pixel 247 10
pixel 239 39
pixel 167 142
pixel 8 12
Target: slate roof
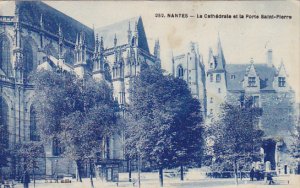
pixel 30 12
pixel 265 73
pixel 120 29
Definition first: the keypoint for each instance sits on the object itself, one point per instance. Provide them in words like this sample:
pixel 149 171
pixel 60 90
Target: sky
pixel 242 39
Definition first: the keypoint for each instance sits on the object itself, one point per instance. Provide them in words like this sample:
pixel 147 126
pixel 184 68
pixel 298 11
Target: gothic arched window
pixel 179 71
pixel 3 123
pixel 27 58
pixel 34 136
pixel 107 74
pixel 56 147
pixel 133 41
pixel 5 64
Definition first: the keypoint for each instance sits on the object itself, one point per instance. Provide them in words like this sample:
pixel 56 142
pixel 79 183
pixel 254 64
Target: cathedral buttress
pixel 17 50
pixel 80 55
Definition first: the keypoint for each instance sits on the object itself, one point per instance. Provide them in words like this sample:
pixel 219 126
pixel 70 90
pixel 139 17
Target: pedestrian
pixel 270 179
pixel 252 174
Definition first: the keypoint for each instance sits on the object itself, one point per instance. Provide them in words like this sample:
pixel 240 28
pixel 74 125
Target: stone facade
pixel 264 84
pixel 36 36
pixel 189 66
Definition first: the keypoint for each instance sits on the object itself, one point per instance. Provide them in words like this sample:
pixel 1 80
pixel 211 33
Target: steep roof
pixel 120 29
pixel 31 11
pixel 264 71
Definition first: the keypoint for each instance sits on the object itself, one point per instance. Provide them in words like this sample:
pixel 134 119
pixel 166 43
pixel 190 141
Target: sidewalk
pixel 150 180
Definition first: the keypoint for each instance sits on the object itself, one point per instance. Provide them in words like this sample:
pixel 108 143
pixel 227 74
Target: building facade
pixel 190 67
pixel 263 83
pixel 36 36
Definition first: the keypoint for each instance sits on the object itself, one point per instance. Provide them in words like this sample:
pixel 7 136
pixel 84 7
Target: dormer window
pixel 232 76
pixel 251 82
pixel 218 78
pixel 281 81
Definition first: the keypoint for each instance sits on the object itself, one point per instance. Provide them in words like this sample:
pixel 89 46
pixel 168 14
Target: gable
pixel 120 30
pixel 238 71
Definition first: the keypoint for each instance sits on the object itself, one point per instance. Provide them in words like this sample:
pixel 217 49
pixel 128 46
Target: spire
pixel 221 60
pixel 101 45
pixel 115 55
pixel 41 22
pixel 60 35
pixel 77 40
pixel 59 30
pixel 128 56
pixel 129 33
pixel 80 38
pixel 157 49
pixel 60 42
pixel 96 44
pixel 115 40
pixel 119 55
pixel 211 60
pixel 136 27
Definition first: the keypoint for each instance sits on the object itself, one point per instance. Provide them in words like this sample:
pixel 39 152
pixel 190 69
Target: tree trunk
pixel 78 164
pixel 26 177
pixel 1 178
pixel 33 173
pixel 161 177
pixel 139 171
pixel 91 174
pixel 235 173
pixel 129 170
pixel 181 173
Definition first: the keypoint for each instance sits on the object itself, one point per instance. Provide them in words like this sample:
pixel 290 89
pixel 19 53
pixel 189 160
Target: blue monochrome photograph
pixel 149 94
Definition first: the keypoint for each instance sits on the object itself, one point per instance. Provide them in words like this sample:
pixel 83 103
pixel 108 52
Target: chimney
pixel 269 58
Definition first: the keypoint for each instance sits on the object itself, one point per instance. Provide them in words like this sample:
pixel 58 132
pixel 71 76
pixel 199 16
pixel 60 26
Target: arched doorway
pixel 269 147
pixel 34 136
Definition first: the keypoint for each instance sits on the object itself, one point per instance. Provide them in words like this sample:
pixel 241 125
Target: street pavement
pixel 150 180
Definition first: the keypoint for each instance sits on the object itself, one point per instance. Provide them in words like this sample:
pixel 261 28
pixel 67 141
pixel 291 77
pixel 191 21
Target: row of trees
pixel 235 138
pixel 78 114
pixel 163 123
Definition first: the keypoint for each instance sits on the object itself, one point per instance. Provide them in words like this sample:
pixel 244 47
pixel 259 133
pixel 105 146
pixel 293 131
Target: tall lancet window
pixel 3 123
pixel 27 59
pixel 107 74
pixel 34 136
pixel 5 64
pixel 179 71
